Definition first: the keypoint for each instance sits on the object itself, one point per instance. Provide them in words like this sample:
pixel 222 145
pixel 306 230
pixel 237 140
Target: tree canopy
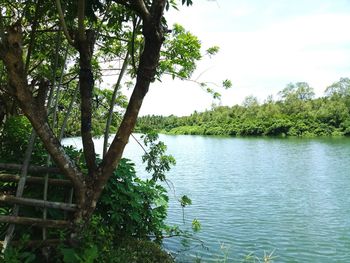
pixel 54 57
pixel 296 113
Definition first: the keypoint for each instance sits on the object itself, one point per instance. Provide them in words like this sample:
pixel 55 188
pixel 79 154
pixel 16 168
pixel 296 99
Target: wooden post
pixel 34 180
pixel 31 169
pixel 35 222
pixel 10 199
pixel 20 187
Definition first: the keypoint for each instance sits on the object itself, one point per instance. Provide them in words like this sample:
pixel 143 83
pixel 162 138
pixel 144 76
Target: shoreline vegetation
pixel 297 113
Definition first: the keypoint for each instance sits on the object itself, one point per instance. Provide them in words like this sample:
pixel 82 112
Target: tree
pixel 250 101
pixel 26 29
pixel 296 97
pixel 300 90
pixel 340 88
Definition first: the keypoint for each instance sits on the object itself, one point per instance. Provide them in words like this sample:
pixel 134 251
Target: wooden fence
pixel 9 173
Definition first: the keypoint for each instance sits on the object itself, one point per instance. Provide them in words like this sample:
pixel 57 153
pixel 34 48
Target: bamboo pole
pixel 70 107
pixel 10 199
pixel 48 161
pixel 35 243
pixel 20 187
pixel 112 103
pixel 34 180
pixel 36 222
pixel 31 169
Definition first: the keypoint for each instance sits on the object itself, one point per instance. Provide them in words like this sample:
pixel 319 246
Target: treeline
pixel 296 113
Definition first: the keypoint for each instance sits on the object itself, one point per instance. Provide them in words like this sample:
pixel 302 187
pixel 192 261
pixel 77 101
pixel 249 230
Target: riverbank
pixel 226 131
pixel 293 115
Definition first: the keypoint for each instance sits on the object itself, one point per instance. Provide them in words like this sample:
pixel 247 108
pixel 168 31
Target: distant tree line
pixel 296 113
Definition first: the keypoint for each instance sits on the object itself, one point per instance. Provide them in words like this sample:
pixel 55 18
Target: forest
pixel 296 113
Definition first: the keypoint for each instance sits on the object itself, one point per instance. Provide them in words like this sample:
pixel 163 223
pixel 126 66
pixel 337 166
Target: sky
pixel 264 45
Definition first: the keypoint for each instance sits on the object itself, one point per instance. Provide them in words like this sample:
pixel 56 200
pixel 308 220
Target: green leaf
pixel 213 50
pixel 196 225
pixel 90 254
pixel 185 201
pixel 227 84
pixel 69 255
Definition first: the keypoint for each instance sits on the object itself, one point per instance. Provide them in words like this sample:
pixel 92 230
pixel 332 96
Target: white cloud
pixel 260 61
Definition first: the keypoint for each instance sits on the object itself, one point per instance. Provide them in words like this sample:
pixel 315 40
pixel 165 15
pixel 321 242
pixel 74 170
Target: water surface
pixel 290 196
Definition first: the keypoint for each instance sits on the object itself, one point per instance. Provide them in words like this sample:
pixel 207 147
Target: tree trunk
pixel 154 37
pixel 34 109
pixel 87 188
pixel 85 47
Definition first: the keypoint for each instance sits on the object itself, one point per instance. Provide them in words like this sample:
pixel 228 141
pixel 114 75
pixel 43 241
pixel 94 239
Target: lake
pixel 286 196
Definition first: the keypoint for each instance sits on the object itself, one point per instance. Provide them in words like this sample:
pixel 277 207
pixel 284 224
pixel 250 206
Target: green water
pixel 290 196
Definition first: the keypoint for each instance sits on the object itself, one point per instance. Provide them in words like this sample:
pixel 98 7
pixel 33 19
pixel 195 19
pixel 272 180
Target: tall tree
pixel 340 88
pixel 85 25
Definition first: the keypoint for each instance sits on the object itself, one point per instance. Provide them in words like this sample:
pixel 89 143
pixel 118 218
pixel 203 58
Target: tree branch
pixel 123 2
pixel 70 107
pixel 140 7
pixel 135 26
pixel 86 81
pixel 35 66
pixel 111 106
pixel 55 106
pixel 153 33
pixel 42 94
pixel 63 22
pixel 32 35
pixel 55 149
pixel 81 17
pixel 157 9
pixel 2 28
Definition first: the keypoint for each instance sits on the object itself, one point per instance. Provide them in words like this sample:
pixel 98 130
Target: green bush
pixel 129 208
pixel 14 140
pixel 139 251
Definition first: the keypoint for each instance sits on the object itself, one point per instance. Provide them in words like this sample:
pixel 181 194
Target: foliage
pixel 97 244
pixel 296 114
pixel 213 50
pixel 196 225
pixel 249 258
pixel 227 83
pixel 88 255
pixel 131 206
pixel 139 251
pixel 14 140
pixel 157 163
pixel 340 88
pixel 182 51
pixel 51 65
pixel 185 201
pixel 18 254
pixel 297 91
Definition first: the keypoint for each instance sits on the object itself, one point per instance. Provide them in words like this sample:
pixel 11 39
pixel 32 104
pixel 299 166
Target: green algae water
pixel 259 195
